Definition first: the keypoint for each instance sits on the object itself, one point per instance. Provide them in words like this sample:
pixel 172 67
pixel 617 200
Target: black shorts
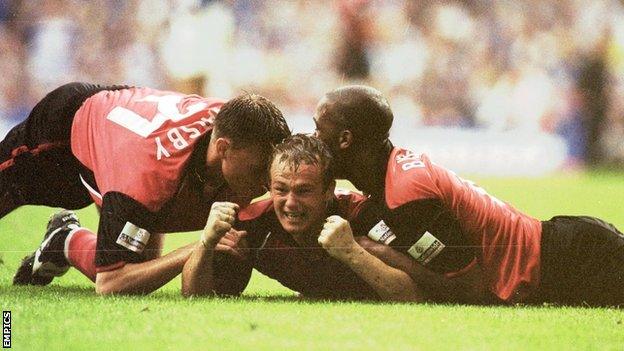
pixel 582 262
pixel 36 163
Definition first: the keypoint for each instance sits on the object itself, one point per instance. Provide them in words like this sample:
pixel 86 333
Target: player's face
pixel 245 172
pixel 299 197
pixel 329 132
pixel 326 129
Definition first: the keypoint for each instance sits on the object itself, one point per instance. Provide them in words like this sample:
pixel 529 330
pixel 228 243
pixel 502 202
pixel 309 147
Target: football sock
pixel 80 251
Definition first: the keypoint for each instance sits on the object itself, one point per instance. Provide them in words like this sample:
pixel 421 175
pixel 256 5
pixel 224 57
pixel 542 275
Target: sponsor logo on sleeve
pixel 426 248
pixel 133 238
pixel 381 233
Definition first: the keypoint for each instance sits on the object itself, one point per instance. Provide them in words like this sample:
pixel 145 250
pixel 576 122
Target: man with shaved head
pixel 435 225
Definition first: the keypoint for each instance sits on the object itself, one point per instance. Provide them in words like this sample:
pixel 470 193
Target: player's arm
pixel 142 278
pixel 467 287
pixel 390 283
pixel 125 262
pixel 218 244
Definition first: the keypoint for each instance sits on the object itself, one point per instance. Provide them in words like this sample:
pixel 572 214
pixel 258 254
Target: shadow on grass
pixel 46 291
pixel 279 299
pixel 76 291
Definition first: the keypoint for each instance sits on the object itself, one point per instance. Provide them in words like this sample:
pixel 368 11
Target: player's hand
pixel 234 243
pixel 336 237
pixel 220 220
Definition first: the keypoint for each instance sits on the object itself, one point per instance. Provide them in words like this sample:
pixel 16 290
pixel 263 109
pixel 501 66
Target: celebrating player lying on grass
pixel 280 237
pixel 153 160
pixel 434 218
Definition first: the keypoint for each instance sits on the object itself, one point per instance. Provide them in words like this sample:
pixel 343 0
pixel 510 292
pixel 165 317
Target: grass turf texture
pixel 67 315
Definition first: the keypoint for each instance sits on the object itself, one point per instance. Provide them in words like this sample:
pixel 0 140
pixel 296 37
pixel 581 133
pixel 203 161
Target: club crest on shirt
pixel 133 238
pixel 426 248
pixel 381 233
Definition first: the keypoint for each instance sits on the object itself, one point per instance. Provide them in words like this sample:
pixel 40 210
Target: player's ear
pixel 222 145
pixel 329 193
pixel 345 139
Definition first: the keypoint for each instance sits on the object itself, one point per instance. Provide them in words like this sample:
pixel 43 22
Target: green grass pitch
pixel 68 316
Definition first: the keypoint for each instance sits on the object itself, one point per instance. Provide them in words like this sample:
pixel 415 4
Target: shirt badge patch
pixel 426 248
pixel 133 238
pixel 381 233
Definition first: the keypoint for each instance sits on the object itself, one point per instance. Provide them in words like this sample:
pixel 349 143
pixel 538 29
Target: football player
pixel 294 237
pixel 429 217
pixel 153 162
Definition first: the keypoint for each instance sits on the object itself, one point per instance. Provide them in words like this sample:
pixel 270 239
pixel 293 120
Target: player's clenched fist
pixel 220 220
pixel 336 237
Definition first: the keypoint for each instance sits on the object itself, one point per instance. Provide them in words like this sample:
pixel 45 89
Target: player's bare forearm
pixel 467 288
pixel 197 275
pixel 145 277
pixel 391 284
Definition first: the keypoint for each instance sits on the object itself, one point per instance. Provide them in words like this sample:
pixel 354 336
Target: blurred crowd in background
pixel 549 66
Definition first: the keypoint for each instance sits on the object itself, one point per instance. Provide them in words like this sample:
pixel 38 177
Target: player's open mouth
pixel 294 215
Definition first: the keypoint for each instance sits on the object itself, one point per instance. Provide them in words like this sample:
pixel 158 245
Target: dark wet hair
pixel 362 110
pixel 305 149
pixel 250 120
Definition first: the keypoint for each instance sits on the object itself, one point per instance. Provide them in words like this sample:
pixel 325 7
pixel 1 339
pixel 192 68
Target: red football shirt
pixel 137 141
pixel 508 241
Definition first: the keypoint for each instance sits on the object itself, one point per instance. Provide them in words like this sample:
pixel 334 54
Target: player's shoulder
pixel 255 210
pixel 405 167
pixel 408 177
pixel 403 161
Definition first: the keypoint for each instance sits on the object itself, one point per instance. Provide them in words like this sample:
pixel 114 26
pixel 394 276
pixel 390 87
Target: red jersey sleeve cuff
pixel 110 267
